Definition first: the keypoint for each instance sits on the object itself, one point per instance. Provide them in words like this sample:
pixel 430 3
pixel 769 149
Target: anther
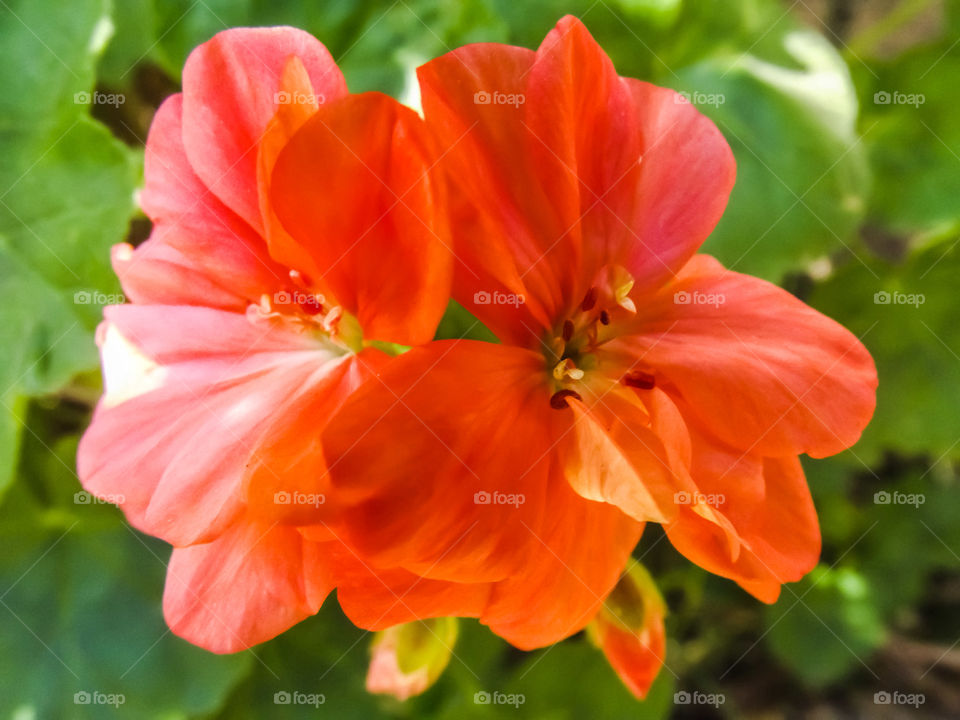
pixel 589 300
pixel 567 330
pixel 639 379
pixel 604 317
pixel 558 401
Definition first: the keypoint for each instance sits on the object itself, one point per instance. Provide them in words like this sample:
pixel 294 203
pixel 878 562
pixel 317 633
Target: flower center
pixel 571 350
pixel 303 309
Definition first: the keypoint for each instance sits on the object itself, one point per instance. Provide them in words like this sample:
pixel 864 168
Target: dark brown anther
pixel 639 379
pixel 604 317
pixel 567 330
pixel 558 401
pixel 589 300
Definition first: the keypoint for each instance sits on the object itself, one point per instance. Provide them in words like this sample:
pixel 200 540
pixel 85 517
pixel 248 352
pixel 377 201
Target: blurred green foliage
pixel 848 159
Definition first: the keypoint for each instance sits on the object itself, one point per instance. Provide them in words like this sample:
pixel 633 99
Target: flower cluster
pixel 276 407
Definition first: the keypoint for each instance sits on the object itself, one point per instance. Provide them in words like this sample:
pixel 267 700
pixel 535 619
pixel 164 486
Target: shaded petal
pixel 615 454
pixel 230 90
pixel 473 418
pixel 752 519
pixel 367 221
pixel 189 394
pixel 580 549
pixel 245 587
pixel 760 369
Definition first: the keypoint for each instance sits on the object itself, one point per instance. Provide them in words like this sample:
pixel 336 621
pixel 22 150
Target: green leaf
pixel 826 627
pixel 913 135
pixel 82 610
pixel 802 178
pixel 66 195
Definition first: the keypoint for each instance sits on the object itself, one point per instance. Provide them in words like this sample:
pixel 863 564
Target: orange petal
pixel 760 369
pixel 615 455
pixel 580 549
pixel 565 168
pixel 752 519
pixel 471 417
pixel 355 189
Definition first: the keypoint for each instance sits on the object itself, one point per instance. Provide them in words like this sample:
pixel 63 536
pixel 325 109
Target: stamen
pixel 567 368
pixel 567 330
pixel 639 379
pixel 589 300
pixel 604 317
pixel 558 401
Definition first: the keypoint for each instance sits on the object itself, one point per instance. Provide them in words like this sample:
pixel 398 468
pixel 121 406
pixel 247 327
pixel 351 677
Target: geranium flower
pixel 635 380
pixel 240 342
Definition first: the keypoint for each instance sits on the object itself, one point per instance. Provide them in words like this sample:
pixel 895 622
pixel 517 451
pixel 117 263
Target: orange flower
pixel 240 342
pixel 636 381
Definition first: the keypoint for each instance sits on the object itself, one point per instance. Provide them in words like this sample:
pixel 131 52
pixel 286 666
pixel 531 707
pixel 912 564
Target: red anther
pixel 604 317
pixel 310 305
pixel 567 330
pixel 589 300
pixel 639 379
pixel 558 401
